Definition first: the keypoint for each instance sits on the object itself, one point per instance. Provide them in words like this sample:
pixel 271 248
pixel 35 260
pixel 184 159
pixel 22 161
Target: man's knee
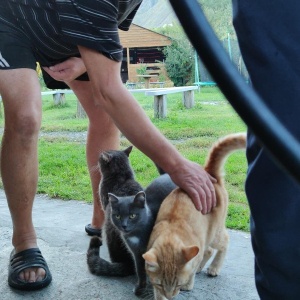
pixel 25 125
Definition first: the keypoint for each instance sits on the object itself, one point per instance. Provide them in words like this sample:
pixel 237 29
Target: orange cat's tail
pixel 220 150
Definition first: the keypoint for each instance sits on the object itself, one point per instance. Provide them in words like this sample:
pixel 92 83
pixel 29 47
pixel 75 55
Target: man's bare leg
pixel 102 135
pixel 20 92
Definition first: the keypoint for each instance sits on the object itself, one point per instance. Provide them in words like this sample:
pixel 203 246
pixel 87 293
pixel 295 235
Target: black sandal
pixel 92 231
pixel 30 258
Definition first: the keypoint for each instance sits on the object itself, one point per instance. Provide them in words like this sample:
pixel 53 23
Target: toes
pixel 40 274
pixel 32 275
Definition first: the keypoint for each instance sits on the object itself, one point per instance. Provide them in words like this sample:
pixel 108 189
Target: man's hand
pixel 68 70
pixel 197 183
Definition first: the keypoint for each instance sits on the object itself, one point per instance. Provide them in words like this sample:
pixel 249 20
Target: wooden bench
pixel 160 98
pixel 158 83
pixel 131 85
pixel 59 98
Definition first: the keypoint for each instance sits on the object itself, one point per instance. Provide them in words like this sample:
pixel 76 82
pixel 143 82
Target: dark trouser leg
pixel 275 225
pixel 269 37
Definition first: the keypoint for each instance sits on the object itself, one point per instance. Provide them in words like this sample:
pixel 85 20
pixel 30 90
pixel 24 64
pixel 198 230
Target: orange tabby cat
pixel 183 239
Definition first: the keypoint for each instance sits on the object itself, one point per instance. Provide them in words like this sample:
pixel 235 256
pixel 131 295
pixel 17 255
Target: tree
pixel 219 15
pixel 179 56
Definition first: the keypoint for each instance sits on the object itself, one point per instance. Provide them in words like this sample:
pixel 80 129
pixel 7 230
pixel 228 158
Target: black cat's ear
pixel 128 150
pixel 140 199
pixel 112 198
pixel 106 156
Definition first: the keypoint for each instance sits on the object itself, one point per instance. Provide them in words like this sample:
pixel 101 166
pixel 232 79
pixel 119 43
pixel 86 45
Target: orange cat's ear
pixel 151 260
pixel 190 252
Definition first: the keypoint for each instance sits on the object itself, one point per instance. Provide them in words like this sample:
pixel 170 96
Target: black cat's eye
pixel 132 216
pixel 118 217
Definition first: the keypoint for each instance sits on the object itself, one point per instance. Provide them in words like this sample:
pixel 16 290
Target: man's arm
pixel 129 117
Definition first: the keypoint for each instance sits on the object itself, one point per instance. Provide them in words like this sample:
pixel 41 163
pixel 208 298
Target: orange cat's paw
pixel 213 272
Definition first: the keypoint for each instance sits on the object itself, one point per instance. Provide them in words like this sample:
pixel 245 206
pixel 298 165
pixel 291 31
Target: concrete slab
pixel 63 242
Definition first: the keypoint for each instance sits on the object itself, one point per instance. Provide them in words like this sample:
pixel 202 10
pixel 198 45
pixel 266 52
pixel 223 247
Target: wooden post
pixel 188 99
pixel 81 114
pixel 59 99
pixel 160 106
pixel 128 63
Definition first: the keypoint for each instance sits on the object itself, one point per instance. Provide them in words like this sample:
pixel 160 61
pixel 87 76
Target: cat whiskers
pixel 148 293
pixel 185 295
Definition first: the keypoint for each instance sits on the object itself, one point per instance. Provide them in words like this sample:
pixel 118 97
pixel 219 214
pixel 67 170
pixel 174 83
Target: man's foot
pixel 28 270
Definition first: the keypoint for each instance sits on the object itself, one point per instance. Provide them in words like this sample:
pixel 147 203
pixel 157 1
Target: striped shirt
pixel 95 23
pixel 55 27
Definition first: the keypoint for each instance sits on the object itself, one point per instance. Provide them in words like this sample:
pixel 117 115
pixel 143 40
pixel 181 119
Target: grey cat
pixel 130 214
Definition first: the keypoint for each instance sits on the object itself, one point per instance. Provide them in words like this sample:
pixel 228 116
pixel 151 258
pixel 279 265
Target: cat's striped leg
pixel 207 255
pixel 215 266
pixel 190 285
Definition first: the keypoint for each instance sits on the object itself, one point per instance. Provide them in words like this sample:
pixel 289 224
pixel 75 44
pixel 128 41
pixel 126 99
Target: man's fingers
pixel 208 199
pixel 203 199
pixel 207 195
pixel 213 194
pixel 57 75
pixel 212 179
pixel 196 198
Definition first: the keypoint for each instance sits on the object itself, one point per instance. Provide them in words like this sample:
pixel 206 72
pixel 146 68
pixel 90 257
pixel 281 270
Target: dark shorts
pixel 23 40
pixel 18 50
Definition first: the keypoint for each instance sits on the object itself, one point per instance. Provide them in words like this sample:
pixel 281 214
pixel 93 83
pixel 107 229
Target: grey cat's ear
pixel 128 150
pixel 106 156
pixel 140 199
pixel 112 198
pixel 151 260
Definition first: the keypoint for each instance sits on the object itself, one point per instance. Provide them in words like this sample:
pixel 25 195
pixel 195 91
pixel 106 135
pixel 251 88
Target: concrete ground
pixel 63 242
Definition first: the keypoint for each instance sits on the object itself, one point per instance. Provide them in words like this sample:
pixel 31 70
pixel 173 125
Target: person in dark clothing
pixel 269 36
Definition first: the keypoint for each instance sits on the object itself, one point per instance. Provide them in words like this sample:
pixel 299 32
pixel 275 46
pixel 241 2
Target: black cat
pixel 130 214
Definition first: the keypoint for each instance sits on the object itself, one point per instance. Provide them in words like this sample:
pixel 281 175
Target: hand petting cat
pixel 197 183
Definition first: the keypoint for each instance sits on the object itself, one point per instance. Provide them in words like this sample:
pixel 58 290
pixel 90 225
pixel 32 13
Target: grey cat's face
pixel 128 212
pixel 113 161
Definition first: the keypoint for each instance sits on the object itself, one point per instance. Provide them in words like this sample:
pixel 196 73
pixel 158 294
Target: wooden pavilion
pixel 142 46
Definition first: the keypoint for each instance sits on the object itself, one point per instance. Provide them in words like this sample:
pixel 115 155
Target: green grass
pixel 63 172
